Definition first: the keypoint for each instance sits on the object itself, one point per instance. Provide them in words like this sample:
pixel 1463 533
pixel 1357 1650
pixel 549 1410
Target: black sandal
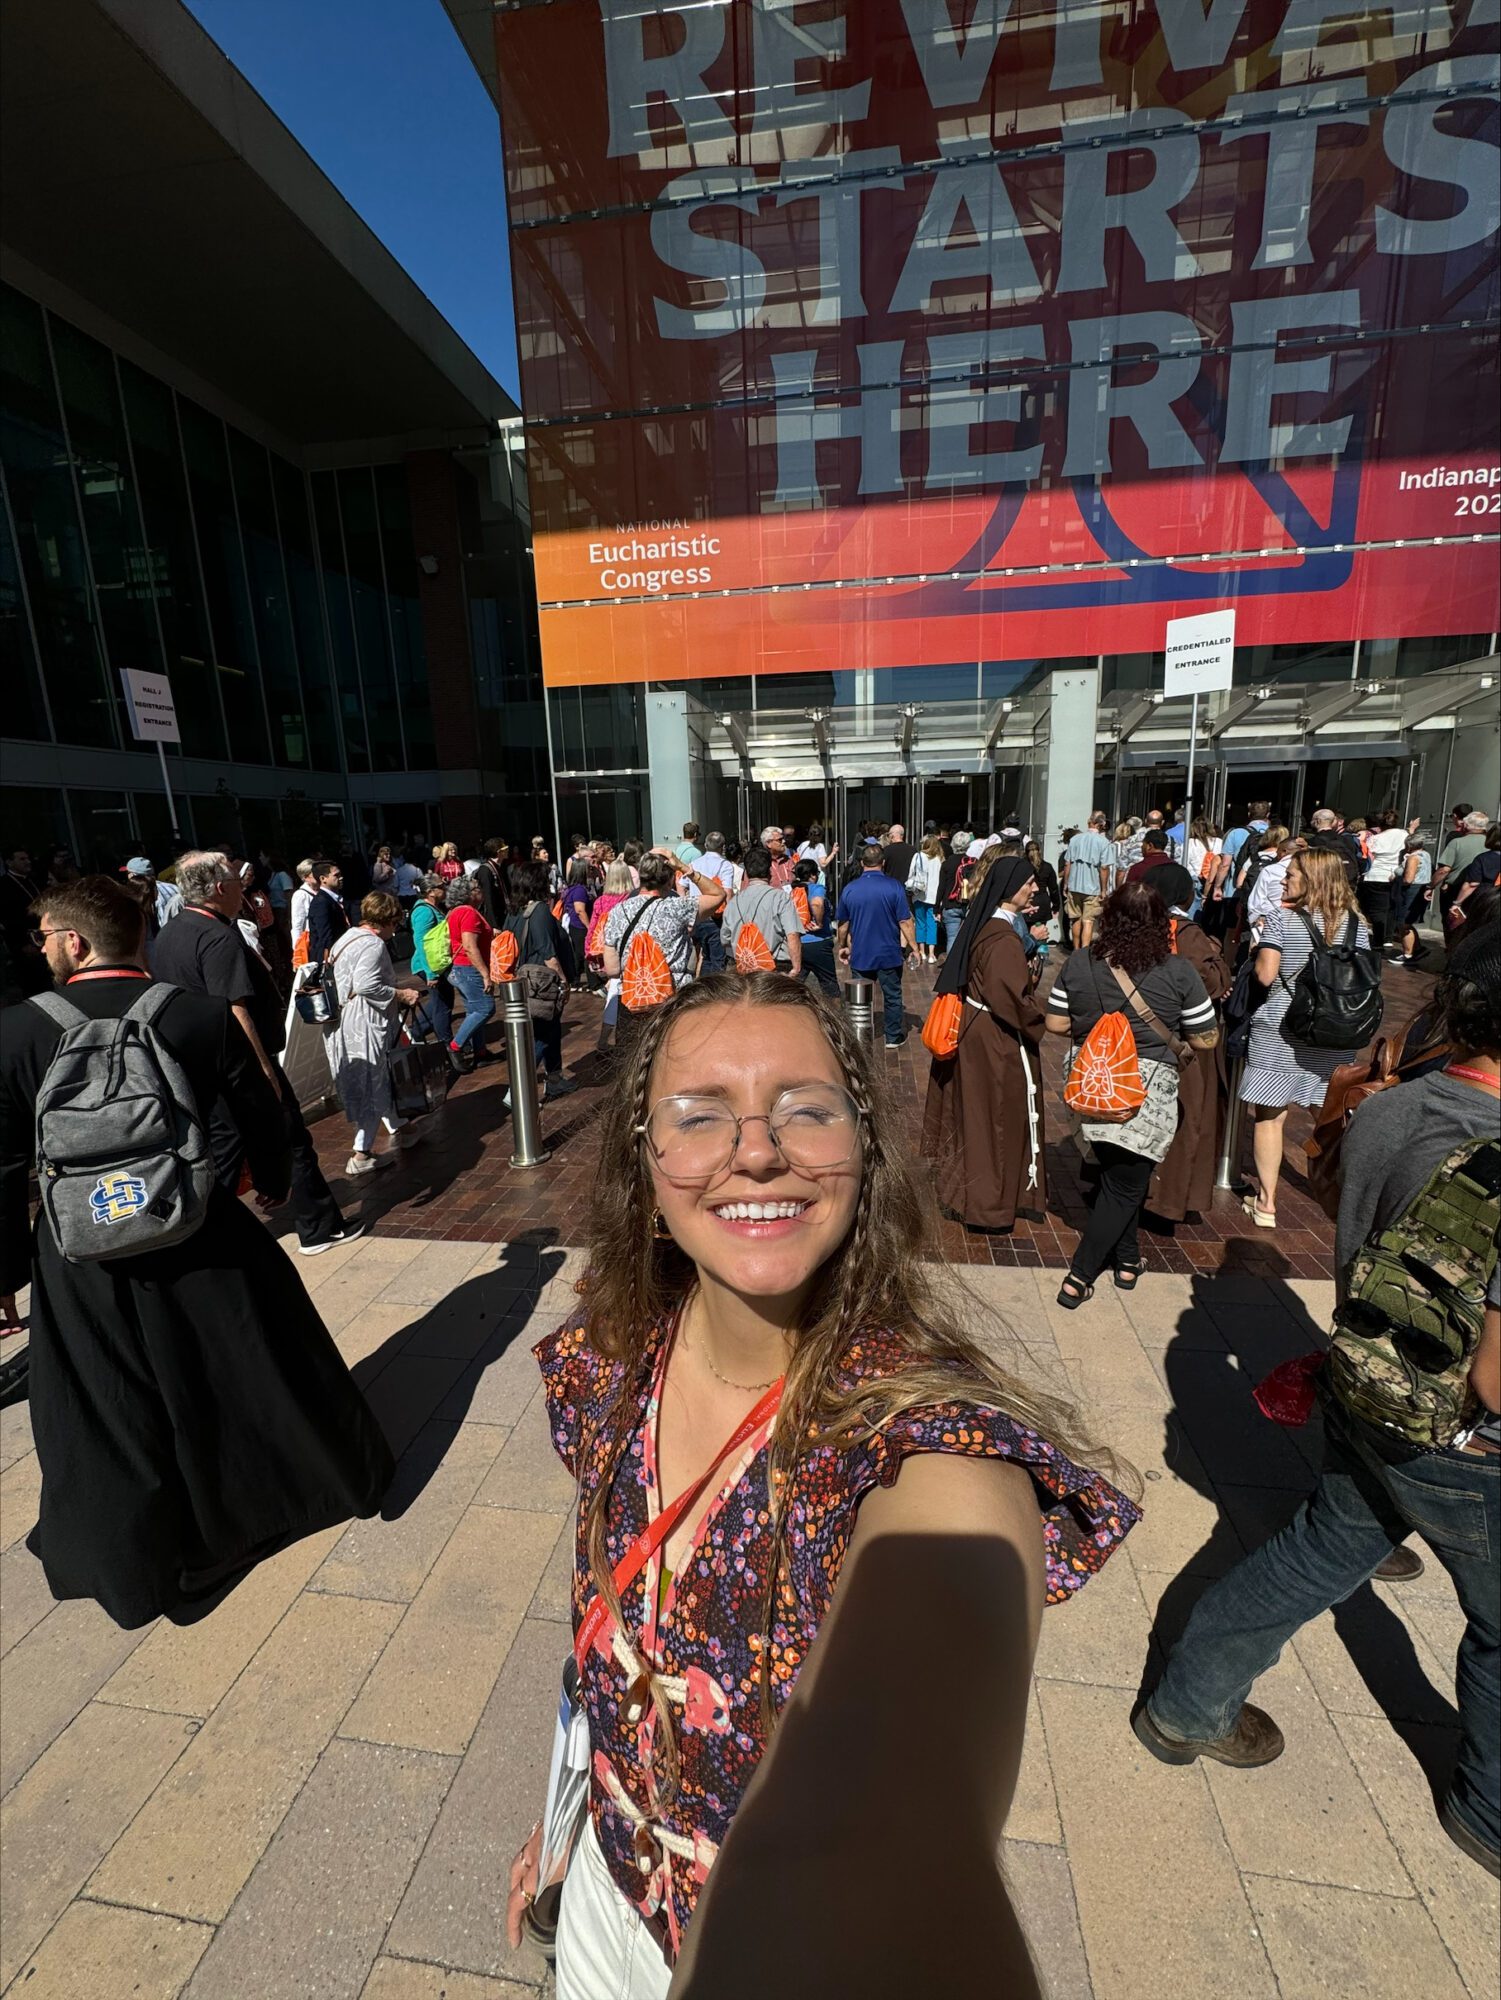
pixel 1079 1296
pixel 1126 1276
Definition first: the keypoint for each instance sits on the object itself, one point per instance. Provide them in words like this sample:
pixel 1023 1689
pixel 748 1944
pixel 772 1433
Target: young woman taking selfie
pixel 817 1526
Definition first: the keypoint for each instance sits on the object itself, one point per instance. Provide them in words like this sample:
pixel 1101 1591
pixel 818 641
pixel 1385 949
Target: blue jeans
pixel 709 939
pixel 926 918
pixel 1369 1499
pixel 547 1042
pixel 818 958
pixel 953 917
pixel 478 1004
pixel 893 1013
pixel 437 1007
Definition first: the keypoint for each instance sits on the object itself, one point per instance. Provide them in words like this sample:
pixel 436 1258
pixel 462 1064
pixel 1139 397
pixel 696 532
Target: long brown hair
pixel 1326 893
pixel 875 1281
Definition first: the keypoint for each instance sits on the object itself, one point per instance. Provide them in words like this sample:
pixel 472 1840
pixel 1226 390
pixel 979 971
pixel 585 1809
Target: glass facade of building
pixel 907 353
pixel 139 529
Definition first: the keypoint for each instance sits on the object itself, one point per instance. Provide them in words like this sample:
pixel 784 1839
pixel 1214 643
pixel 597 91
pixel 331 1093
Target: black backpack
pixel 1336 997
pixel 1251 867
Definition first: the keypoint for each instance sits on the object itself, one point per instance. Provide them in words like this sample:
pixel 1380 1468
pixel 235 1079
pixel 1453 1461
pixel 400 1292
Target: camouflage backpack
pixel 1406 1334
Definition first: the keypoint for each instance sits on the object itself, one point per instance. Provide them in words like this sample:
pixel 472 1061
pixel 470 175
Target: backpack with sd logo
pixel 1336 996
pixel 1414 1307
pixel 122 1157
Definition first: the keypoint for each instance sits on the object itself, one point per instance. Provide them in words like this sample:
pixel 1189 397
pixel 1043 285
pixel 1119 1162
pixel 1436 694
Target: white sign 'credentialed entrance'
pixel 1200 653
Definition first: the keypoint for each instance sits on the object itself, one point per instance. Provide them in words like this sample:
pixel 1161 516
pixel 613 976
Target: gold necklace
pixel 746 1388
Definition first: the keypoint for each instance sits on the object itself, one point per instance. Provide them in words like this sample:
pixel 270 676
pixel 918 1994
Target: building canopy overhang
pixel 145 176
pixel 1271 724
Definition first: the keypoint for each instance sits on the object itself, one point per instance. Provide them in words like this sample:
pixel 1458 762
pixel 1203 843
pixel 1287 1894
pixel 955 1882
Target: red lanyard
pixel 1473 1076
pixel 123 972
pixel 655 1533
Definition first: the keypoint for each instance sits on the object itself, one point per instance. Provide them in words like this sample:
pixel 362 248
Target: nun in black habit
pixel 190 1410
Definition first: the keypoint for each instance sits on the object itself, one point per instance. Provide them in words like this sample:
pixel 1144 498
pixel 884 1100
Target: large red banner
pixel 903 332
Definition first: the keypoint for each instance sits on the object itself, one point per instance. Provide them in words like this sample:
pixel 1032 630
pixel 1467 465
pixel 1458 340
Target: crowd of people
pixel 760 1319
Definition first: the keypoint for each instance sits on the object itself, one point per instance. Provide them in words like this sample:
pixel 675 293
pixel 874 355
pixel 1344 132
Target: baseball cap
pixel 137 865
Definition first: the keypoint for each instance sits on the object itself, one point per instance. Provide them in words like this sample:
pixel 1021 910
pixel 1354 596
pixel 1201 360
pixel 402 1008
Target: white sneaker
pixel 345 1235
pixel 359 1163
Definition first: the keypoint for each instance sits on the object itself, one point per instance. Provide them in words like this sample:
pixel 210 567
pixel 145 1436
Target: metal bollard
pixel 1229 1173
pixel 860 998
pixel 527 1149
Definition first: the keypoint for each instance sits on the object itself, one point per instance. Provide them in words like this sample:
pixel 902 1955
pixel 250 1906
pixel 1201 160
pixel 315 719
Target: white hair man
pixel 783 861
pixel 1463 846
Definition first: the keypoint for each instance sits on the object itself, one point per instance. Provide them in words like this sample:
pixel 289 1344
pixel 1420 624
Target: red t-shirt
pixel 1153 858
pixel 467 926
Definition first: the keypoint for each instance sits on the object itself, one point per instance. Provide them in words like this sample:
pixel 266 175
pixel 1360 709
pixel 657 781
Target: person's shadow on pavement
pixel 1258 1474
pixel 471 1329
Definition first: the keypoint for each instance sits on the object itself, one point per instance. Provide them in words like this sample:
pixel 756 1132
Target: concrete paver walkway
pixel 316 1793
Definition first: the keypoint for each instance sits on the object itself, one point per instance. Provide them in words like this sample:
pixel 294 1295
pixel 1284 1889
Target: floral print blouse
pixel 703 1626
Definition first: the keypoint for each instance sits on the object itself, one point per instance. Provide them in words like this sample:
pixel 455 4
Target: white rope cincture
pixel 1036 1150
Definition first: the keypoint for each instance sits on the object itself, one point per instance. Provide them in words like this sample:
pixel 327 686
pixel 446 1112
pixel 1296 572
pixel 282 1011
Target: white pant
pixel 365 1135
pixel 604 1950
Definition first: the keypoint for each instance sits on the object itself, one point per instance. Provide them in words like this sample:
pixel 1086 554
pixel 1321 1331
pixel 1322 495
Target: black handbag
pixel 419 1078
pixel 419 1068
pixel 1239 1011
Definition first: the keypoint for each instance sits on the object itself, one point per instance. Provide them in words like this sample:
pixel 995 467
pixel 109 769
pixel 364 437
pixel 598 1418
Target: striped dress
pixel 1280 1072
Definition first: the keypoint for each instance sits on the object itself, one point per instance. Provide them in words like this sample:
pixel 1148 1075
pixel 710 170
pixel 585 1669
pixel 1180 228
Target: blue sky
pixel 384 98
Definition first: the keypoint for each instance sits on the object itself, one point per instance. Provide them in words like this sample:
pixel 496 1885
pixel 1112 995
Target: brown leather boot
pixel 1401 1566
pixel 1254 1740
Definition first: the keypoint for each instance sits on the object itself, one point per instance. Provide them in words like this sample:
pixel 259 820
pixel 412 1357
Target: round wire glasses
pixel 816 1126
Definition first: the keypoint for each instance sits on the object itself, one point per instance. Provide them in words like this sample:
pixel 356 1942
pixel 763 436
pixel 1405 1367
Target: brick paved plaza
pixel 316 1792
pixel 458 1185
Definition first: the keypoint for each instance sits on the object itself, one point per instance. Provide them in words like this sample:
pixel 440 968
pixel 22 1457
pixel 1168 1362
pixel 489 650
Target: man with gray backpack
pixel 191 1412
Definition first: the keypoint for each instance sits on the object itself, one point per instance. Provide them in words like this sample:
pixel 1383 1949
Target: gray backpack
pixel 122 1158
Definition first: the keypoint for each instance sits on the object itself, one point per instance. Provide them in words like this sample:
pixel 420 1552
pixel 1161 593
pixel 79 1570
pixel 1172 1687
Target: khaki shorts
pixel 1087 907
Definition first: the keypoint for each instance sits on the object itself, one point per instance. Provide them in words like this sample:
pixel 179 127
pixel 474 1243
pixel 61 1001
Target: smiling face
pixel 761 1227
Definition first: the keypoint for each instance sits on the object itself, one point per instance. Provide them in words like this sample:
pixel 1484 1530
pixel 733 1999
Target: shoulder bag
pixel 1349 1087
pixel 546 990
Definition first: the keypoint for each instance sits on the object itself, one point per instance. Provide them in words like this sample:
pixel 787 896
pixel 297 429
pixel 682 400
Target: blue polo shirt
pixel 875 907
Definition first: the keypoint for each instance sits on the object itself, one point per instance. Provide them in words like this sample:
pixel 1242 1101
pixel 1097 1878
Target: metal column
pixel 1229 1170
pixel 527 1149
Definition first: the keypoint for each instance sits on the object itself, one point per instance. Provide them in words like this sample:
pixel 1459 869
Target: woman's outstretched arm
pixel 865 1858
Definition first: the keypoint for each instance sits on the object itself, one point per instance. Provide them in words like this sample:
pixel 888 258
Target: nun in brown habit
pixel 1184 1180
pixel 983 1120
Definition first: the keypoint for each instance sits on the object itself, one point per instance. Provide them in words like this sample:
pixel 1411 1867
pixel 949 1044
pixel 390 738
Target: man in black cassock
pixel 190 1410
